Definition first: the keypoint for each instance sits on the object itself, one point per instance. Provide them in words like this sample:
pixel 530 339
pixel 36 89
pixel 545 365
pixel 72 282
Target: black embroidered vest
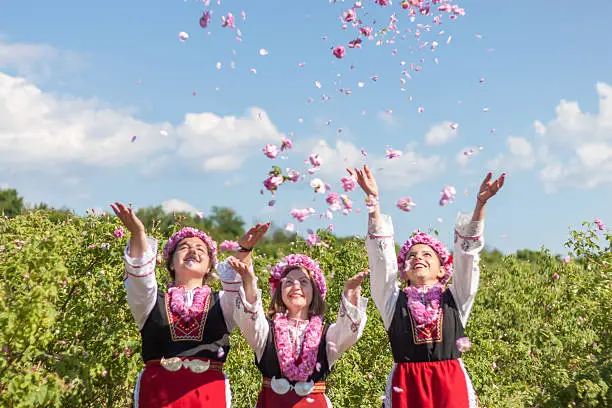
pixel 433 343
pixel 199 338
pixel 270 367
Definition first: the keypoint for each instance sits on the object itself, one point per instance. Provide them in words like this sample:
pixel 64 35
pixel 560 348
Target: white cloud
pixel 573 150
pixel 440 134
pixel 402 172
pixel 387 117
pixel 36 61
pixel 174 204
pixel 39 128
pixel 223 143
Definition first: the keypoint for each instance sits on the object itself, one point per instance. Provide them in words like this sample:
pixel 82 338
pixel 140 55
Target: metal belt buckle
pixel 303 388
pixel 171 364
pixel 280 385
pixel 196 366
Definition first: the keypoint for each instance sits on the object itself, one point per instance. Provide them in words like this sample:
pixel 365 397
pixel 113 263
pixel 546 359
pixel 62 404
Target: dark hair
pixel 317 306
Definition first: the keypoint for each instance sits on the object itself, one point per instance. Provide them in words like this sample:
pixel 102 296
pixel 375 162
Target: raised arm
pixel 140 257
pixel 352 317
pixel 381 248
pixel 469 242
pixel 246 309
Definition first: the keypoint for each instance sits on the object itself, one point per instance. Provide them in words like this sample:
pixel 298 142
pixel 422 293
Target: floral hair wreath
pixel 296 260
pixel 446 259
pixel 188 232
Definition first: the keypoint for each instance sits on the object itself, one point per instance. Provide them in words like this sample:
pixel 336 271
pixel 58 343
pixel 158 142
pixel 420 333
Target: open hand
pixel 247 274
pixel 253 235
pixel 489 188
pixel 352 287
pixel 365 179
pixel 128 218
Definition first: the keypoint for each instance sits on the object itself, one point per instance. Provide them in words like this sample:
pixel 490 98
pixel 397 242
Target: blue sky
pixel 96 74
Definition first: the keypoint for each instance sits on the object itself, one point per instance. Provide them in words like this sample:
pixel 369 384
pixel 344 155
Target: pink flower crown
pixel 188 232
pixel 446 259
pixel 295 260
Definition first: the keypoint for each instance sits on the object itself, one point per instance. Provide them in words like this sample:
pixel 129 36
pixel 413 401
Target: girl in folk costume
pixel 185 332
pixel 294 349
pixel 426 320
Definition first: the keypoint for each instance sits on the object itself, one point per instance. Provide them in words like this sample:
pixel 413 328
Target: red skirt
pixel 437 384
pixel 157 387
pixel 270 399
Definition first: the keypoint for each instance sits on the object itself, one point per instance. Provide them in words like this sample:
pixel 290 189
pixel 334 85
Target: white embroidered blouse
pixel 380 245
pixel 253 324
pixel 141 287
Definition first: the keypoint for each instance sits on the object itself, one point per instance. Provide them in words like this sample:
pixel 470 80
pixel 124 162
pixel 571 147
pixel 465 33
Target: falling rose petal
pixel 397 389
pixel 405 204
pixel 454 126
pixel 253 70
pixel 183 36
pixel 392 154
pixel 271 203
pixel 289 227
pixel 420 110
pixel 485 110
pixel 218 65
pixel 463 344
pixel 339 52
pixel 263 51
pixel 318 84
pixel 481 80
pixel 364 153
pixel 361 84
pixel 310 400
pixel 163 132
pixel 133 139
pixel 205 19
pixel 318 367
pixel 243 14
pixel 220 353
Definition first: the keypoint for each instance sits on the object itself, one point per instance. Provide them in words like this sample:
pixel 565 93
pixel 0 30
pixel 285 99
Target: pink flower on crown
pixel 304 261
pixel 446 259
pixel 600 225
pixel 188 232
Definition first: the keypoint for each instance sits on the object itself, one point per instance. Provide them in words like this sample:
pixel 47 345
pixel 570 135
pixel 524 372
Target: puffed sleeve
pixel 347 329
pixel 469 242
pixel 230 283
pixel 250 318
pixel 383 266
pixel 139 281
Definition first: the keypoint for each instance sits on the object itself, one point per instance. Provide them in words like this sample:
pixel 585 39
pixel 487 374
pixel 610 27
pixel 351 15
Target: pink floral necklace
pixel 424 302
pixel 180 308
pixel 310 348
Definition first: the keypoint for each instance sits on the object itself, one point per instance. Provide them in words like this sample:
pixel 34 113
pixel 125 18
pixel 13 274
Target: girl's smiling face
pixel 423 265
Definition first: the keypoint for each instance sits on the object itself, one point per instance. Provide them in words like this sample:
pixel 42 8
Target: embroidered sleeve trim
pixel 139 266
pixel 476 238
pixel 139 276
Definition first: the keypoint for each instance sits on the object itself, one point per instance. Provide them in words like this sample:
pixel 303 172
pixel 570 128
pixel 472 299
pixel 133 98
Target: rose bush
pixel 540 327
